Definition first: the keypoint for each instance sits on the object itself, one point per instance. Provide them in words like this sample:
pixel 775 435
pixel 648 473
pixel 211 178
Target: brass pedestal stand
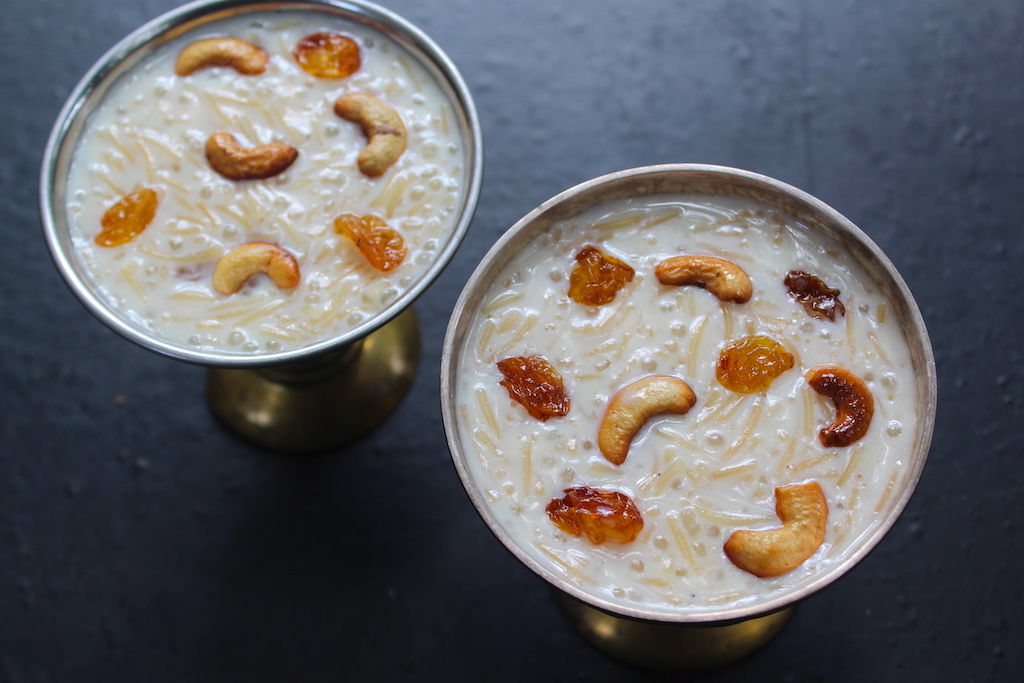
pixel 323 402
pixel 673 647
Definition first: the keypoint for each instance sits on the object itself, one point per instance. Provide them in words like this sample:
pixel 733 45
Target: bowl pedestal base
pixel 324 402
pixel 670 647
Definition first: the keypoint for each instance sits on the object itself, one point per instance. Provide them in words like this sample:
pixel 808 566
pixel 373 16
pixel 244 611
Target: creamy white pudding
pixel 150 131
pixel 697 477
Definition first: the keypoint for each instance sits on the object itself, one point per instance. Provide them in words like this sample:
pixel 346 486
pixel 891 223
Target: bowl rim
pixel 799 203
pixel 143 41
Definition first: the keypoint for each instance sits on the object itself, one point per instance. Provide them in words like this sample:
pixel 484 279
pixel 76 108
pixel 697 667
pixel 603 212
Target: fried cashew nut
pixel 633 405
pixel 724 279
pixel 382 126
pixel 853 400
pixel 803 512
pixel 235 162
pixel 246 260
pixel 243 57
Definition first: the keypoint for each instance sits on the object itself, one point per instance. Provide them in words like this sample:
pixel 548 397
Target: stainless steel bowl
pixel 714 180
pixel 90 91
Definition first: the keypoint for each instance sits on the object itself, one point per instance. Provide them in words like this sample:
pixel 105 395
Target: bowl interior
pixel 705 180
pixel 132 52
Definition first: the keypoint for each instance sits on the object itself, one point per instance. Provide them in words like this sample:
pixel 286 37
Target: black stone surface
pixel 141 542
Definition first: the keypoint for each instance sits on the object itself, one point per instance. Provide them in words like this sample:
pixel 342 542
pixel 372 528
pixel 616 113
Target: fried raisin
pixel 596 278
pixel 820 300
pixel 328 55
pixel 382 246
pixel 751 364
pixel 126 219
pixel 536 385
pixel 600 514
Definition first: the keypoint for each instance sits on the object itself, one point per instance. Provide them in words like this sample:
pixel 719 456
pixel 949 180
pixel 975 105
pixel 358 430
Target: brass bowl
pixel 624 629
pixel 334 388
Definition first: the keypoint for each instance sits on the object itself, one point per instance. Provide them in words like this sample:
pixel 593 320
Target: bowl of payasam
pixel 253 183
pixel 687 394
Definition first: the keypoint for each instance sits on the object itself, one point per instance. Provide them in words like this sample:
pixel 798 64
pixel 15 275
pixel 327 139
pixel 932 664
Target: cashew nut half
pixel 246 260
pixel 235 162
pixel 633 405
pixel 243 57
pixel 724 279
pixel 382 126
pixel 803 512
pixel 853 400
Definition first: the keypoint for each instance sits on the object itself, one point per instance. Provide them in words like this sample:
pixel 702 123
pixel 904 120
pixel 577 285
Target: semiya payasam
pixel 709 464
pixel 241 144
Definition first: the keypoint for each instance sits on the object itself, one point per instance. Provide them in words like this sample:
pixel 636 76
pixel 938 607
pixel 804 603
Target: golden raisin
pixel 597 278
pixel 751 364
pixel 328 55
pixel 125 220
pixel 601 515
pixel 382 246
pixel 820 300
pixel 536 385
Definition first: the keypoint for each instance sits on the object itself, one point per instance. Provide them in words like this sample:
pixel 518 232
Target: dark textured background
pixel 141 542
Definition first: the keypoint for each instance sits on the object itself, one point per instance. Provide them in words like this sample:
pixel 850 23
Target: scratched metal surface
pixel 141 542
